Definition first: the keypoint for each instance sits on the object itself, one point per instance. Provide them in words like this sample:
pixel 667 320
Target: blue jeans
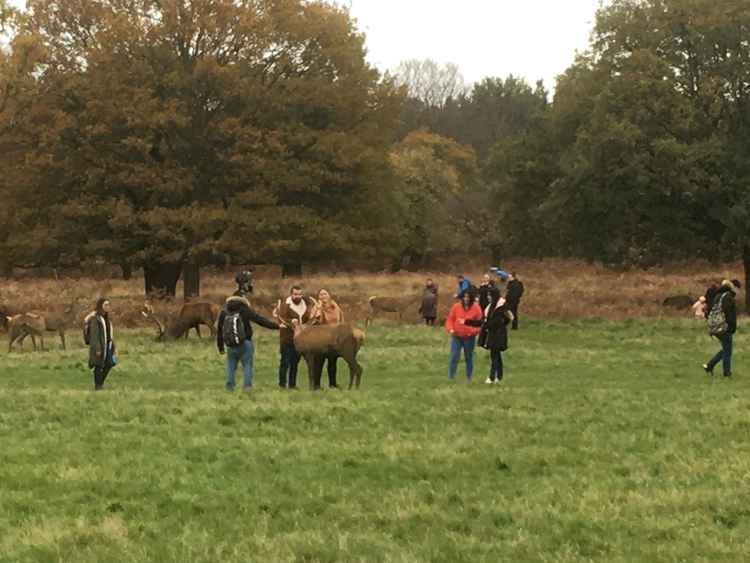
pixel 467 345
pixel 242 353
pixel 288 365
pixel 724 355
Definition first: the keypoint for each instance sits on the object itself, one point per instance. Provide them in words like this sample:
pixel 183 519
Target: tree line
pixel 170 134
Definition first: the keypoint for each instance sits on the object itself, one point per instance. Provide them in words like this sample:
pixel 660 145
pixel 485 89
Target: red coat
pixel 458 312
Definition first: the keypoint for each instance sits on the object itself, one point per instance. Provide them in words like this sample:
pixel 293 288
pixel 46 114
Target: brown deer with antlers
pixel 190 315
pixel 314 341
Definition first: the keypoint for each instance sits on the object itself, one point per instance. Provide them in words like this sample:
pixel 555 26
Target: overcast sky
pixel 529 38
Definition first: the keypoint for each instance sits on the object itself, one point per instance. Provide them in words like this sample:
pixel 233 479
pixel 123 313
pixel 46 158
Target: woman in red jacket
pixel 463 336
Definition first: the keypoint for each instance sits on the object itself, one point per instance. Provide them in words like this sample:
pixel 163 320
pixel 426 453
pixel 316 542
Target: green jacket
pixel 100 339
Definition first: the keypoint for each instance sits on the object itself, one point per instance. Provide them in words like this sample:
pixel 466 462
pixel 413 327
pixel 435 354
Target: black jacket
pixel 496 325
pixel 514 293
pixel 729 306
pixel 240 304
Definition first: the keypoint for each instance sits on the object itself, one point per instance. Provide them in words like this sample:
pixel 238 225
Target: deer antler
pixel 148 312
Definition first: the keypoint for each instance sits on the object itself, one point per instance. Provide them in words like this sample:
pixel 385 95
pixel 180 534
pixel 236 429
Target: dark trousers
pixel 288 365
pixel 100 374
pixel 496 367
pixel 514 309
pixel 331 358
pixel 724 355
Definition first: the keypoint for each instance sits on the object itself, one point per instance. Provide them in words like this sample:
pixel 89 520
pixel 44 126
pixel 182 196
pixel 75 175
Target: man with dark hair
pixel 235 333
pixel 722 322
pixel 295 307
pixel 513 294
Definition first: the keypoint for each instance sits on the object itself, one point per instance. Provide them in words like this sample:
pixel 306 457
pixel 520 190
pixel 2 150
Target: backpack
pixel 717 320
pixel 233 330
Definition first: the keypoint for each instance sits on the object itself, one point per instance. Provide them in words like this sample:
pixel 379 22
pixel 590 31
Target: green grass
pixel 605 443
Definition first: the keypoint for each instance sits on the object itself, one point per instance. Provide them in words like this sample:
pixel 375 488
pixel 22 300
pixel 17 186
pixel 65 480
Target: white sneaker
pixel 497 381
pixel 488 380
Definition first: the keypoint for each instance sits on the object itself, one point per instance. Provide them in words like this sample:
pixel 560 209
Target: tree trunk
pixel 127 271
pixel 746 264
pixel 6 270
pixel 497 254
pixel 161 279
pixel 291 270
pixel 191 280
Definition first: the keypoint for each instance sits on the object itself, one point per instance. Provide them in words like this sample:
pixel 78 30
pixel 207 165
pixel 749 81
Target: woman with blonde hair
pixel 329 313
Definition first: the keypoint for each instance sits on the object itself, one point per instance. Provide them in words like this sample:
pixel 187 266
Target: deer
pixel 313 340
pixel 200 313
pixel 389 305
pixel 191 315
pixel 35 324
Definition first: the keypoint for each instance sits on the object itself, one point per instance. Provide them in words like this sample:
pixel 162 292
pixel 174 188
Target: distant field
pixel 555 290
pixel 605 443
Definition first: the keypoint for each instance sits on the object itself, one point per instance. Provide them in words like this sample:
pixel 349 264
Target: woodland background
pixel 174 135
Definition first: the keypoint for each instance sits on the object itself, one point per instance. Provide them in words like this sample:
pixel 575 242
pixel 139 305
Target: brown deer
pixel 198 314
pixel 35 324
pixel 389 305
pixel 190 315
pixel 313 341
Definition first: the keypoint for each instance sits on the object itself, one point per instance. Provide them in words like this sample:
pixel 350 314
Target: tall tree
pixel 199 130
pixel 433 177
pixel 429 82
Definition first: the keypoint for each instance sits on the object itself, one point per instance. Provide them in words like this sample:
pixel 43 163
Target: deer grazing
pixel 389 305
pixel 190 315
pixel 36 324
pixel 313 341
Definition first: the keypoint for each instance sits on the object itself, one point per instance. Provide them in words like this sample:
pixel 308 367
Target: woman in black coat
pixel 497 316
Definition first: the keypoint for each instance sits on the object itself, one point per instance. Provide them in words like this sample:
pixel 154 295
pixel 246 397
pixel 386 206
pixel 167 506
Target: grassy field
pixel 606 442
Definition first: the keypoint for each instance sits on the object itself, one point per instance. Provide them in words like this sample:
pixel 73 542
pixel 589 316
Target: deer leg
pixel 317 371
pixel 62 338
pixel 198 329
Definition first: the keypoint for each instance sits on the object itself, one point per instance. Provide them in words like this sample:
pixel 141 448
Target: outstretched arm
pixel 263 321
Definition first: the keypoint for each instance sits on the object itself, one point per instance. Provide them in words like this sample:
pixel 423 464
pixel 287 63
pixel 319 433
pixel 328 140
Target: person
pixel 711 292
pixel 725 299
pixel 513 295
pixel 235 336
pixel 244 281
pixel 463 336
pixel 329 313
pixel 295 307
pixel 496 319
pixel 429 307
pixel 99 337
pixel 488 292
pixel 464 284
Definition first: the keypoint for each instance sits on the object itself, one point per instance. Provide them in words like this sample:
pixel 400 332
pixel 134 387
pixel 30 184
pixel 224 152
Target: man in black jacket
pixel 725 297
pixel 513 294
pixel 238 309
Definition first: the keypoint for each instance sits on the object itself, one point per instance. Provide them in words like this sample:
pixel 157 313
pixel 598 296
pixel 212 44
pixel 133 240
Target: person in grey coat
pixel 98 335
pixel 429 307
